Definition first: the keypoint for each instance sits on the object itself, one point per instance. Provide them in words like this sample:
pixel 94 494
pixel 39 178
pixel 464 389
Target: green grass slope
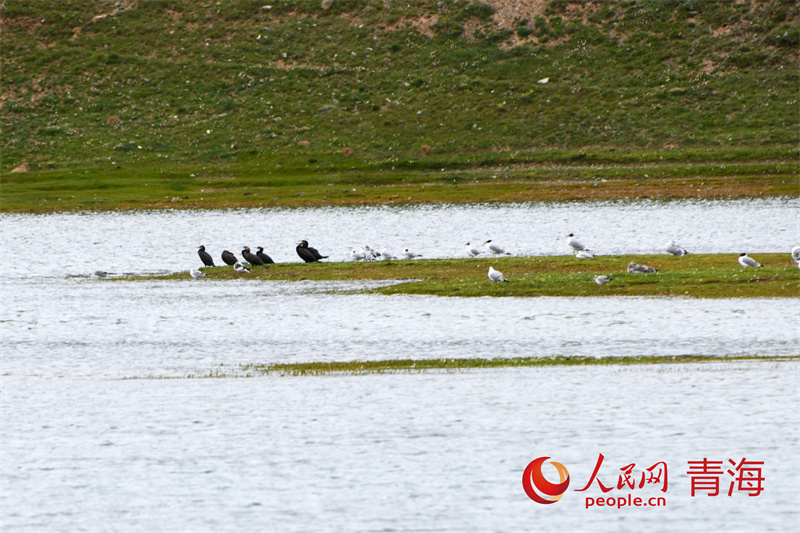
pixel 288 90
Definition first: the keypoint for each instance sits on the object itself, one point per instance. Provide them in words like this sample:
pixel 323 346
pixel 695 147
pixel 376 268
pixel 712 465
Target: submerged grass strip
pixel 422 365
pixel 695 276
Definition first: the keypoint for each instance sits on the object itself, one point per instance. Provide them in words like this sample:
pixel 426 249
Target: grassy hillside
pixel 289 89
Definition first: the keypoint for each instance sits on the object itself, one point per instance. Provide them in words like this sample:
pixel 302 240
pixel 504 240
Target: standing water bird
pixel 602 280
pixel 317 255
pixel 228 258
pixel 238 267
pixel 307 254
pixel 264 257
pixel 675 250
pixel 386 254
pixel 251 258
pixel 574 243
pixel 494 248
pixel 196 274
pixel 205 256
pixel 495 276
pixel 369 253
pixel 471 250
pixel 748 261
pixel 410 255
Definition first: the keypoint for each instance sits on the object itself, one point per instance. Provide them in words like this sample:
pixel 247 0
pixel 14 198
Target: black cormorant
pixel 251 258
pixel 317 255
pixel 228 258
pixel 264 257
pixel 205 257
pixel 307 254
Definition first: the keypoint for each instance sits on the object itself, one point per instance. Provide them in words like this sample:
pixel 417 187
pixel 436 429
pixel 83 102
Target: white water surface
pixel 396 452
pixel 154 241
pixel 83 448
pixel 115 329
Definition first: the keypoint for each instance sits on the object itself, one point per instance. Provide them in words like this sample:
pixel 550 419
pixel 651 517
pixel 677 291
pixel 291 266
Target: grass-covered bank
pixel 321 368
pixel 695 276
pixel 332 182
pixel 153 104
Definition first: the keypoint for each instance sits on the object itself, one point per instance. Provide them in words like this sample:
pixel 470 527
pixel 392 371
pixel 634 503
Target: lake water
pixel 77 243
pixel 399 452
pixel 105 329
pixel 85 449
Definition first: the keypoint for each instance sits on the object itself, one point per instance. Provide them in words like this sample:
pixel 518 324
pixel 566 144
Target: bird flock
pixel 253 260
pixel 307 253
pixel 311 255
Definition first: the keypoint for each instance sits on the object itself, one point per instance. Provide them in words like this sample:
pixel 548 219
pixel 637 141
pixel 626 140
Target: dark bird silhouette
pixel 314 251
pixel 307 254
pixel 205 257
pixel 264 257
pixel 251 258
pixel 229 258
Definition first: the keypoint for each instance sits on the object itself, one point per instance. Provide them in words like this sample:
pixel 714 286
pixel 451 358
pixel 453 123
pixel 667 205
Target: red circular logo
pixel 538 488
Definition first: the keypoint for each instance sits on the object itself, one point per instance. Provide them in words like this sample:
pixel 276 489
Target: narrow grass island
pixel 418 366
pixel 692 276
